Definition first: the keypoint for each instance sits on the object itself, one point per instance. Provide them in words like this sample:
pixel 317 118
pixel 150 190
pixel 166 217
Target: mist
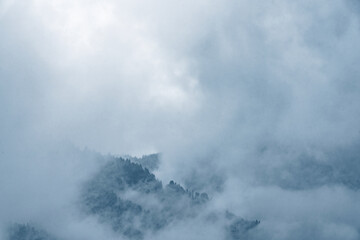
pixel 255 103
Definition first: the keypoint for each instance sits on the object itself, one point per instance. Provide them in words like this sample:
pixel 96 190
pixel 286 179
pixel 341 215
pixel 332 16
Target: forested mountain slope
pixel 130 199
pixel 127 197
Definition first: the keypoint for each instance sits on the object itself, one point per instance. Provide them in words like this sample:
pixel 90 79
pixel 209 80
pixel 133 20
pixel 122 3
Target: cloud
pixel 264 94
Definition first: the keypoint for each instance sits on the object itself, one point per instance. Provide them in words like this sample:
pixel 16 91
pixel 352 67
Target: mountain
pixel 133 202
pixel 127 197
pixel 27 232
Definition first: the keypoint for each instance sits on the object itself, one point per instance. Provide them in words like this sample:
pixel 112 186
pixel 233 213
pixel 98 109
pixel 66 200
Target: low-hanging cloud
pixel 255 102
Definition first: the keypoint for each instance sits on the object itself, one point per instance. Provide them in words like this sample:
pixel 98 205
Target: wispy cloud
pixel 264 94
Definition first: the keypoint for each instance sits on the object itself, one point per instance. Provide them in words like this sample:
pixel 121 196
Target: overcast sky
pixel 244 88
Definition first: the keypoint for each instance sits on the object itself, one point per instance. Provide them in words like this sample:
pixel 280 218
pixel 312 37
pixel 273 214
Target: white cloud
pixel 248 86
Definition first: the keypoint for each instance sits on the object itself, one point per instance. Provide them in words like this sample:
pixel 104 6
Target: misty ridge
pixel 132 203
pixel 216 120
pixel 127 197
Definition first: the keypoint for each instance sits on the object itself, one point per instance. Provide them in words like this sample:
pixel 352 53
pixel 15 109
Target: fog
pixel 256 103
